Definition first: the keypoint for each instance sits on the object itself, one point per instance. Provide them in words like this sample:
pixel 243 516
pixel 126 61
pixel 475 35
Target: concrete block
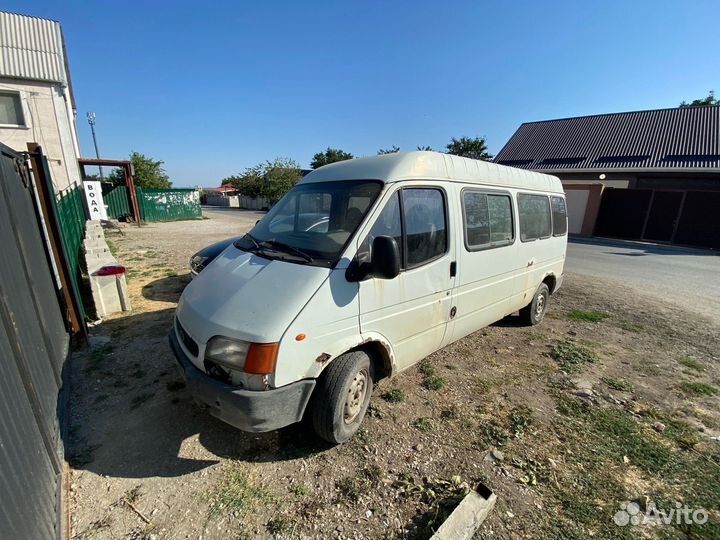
pixel 467 517
pixel 110 292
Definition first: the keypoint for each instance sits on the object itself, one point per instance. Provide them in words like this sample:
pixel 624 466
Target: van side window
pixel 559 216
pixel 488 220
pixel 387 224
pixel 425 224
pixel 535 221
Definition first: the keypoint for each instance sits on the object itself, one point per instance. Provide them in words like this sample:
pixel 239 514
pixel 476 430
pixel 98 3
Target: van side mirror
pixel 384 258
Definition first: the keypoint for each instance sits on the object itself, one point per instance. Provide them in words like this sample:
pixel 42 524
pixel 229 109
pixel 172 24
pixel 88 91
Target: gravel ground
pixel 609 399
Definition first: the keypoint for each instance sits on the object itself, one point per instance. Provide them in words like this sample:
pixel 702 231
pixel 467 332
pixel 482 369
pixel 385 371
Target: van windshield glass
pixel 313 222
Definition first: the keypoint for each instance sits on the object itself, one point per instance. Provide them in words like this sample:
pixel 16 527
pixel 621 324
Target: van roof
pixel 423 165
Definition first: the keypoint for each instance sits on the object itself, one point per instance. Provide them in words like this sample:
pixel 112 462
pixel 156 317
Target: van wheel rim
pixel 356 396
pixel 540 305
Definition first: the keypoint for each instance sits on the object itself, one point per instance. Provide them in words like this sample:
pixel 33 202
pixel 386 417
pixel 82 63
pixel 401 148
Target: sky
pixel 213 88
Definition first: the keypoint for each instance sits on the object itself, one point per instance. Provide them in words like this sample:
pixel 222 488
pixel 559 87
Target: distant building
pixel 645 175
pixel 36 99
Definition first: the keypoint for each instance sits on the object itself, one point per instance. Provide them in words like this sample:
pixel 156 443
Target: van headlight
pixel 226 351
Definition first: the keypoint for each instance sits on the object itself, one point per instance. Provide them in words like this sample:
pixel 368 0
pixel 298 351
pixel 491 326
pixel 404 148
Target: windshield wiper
pixel 289 249
pixel 253 240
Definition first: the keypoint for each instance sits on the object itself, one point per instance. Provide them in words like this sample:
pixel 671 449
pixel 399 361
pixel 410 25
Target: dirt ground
pixel 614 397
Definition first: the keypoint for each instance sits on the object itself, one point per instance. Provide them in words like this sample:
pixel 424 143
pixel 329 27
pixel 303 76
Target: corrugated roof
pixel 31 48
pixel 686 137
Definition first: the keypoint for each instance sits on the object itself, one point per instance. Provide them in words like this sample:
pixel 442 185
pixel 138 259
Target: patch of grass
pixel 396 395
pixel 423 424
pixel 350 489
pixel 572 356
pixel 589 316
pixel 235 492
pixel 174 386
pixel 697 389
pixel 620 385
pixel 279 526
pixel 112 247
pixel 300 490
pixel 426 368
pixel 450 413
pixel 631 327
pixel 520 419
pixel 484 385
pixel 171 273
pixel 433 382
pixel 692 363
pixel 139 400
pixel 493 434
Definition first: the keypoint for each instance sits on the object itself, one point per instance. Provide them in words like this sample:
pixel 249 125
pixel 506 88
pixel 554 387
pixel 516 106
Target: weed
pixel 590 316
pixel 520 418
pixel 97 356
pixel 620 385
pixel 423 424
pixel 572 356
pixel 301 490
pixel 235 492
pixel 697 389
pixel 171 273
pixel 433 382
pixel 174 386
pixel 493 433
pixel 631 327
pixel 278 525
pixel 139 400
pixel 132 495
pixel 450 413
pixel 692 363
pixel 373 473
pixel 533 470
pixel 426 368
pixel 350 489
pixel 484 385
pixel 112 247
pixel 394 396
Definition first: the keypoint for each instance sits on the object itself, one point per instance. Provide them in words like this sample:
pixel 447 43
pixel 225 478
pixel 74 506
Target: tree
pixel 392 150
pixel 279 176
pixel 709 100
pixel 148 173
pixel 331 155
pixel 469 148
pixel 425 148
pixel 271 179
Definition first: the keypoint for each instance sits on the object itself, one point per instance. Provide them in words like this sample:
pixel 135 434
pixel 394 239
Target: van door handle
pixel 531 262
pixel 453 269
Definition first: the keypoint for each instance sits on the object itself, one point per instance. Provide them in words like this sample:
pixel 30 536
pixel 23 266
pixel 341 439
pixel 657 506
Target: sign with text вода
pixel 94 200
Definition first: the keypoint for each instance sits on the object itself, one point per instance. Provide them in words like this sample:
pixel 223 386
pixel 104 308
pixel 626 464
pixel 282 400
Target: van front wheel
pixel 534 312
pixel 342 397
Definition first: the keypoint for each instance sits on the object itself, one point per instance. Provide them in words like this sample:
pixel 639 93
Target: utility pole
pixel 91 121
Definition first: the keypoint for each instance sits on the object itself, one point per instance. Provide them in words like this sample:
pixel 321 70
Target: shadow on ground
pixel 132 416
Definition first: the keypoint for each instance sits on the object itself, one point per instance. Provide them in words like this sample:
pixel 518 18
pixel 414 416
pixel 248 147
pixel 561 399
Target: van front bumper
pixel 248 410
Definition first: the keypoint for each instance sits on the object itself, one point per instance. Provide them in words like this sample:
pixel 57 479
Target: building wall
pixel 50 122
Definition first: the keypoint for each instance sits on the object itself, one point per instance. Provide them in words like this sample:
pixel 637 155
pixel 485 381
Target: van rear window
pixel 559 216
pixel 535 220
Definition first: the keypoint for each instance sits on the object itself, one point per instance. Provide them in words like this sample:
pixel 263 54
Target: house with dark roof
pixel 644 175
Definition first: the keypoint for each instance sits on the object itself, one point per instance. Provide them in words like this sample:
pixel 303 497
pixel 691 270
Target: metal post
pixel 91 121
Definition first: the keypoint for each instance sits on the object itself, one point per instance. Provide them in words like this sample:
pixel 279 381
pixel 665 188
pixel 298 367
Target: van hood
pixel 247 297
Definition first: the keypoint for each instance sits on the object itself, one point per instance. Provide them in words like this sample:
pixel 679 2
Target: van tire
pixel 534 312
pixel 333 394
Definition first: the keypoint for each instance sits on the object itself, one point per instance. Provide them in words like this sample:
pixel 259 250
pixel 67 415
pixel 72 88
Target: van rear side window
pixel 488 220
pixel 559 216
pixel 535 220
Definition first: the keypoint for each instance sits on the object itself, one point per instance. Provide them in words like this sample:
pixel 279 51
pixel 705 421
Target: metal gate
pixel 34 345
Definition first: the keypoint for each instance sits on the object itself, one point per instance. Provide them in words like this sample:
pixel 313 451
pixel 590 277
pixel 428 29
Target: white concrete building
pixel 36 99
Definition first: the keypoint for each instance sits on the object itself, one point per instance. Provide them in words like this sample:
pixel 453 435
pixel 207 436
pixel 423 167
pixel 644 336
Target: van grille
pixel 189 342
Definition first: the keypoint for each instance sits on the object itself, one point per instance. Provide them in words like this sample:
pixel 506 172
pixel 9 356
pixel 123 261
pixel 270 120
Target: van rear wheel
pixel 342 397
pixel 534 312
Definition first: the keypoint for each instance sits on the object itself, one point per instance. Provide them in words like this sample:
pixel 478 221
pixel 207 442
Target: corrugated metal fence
pixel 71 214
pixel 155 204
pixel 34 346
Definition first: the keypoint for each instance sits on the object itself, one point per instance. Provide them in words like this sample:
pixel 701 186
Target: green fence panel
pixel 116 201
pixel 169 204
pixel 71 215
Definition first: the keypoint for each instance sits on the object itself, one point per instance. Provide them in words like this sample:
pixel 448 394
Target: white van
pixel 361 270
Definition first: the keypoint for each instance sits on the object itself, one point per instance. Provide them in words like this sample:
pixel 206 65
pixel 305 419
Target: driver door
pixel 412 310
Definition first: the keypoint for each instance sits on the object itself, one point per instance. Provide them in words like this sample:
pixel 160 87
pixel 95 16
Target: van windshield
pixel 313 222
